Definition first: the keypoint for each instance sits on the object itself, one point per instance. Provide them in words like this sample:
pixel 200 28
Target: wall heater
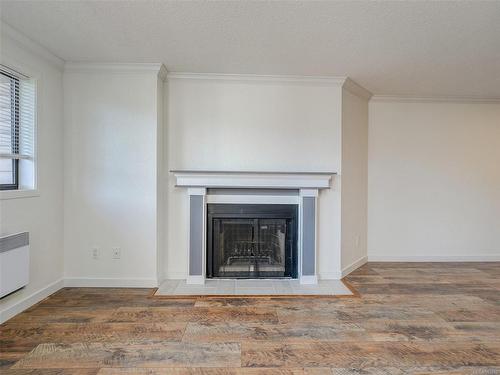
pixel 14 262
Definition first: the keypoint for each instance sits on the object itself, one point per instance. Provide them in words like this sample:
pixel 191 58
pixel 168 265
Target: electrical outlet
pixel 356 240
pixel 117 253
pixel 95 253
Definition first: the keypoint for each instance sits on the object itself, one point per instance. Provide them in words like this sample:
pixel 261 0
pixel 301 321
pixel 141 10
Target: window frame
pixel 29 185
pixel 14 98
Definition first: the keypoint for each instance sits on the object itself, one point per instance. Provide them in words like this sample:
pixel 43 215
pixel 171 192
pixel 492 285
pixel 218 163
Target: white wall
pixel 261 125
pixel 434 181
pixel 354 180
pixel 41 215
pixel 111 163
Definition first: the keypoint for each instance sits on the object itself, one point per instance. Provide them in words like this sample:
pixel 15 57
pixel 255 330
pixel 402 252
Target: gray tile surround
pixel 196 235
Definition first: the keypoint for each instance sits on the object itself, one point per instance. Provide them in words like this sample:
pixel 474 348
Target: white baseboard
pixel 29 301
pixel 195 280
pixel 90 282
pixel 426 258
pixel 313 279
pixel 354 265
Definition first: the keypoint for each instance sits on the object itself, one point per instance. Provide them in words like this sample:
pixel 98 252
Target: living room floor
pixel 410 318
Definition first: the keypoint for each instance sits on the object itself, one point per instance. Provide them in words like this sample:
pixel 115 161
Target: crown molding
pixel 88 67
pixel 31 45
pixel 163 73
pixel 434 99
pixel 259 78
pixel 356 89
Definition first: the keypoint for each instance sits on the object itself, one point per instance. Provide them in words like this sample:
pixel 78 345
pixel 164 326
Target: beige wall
pixel 354 180
pixel 261 125
pixel 111 168
pixel 42 214
pixel 434 181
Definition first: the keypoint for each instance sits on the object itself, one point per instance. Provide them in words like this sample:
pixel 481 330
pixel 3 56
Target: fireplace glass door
pixel 251 247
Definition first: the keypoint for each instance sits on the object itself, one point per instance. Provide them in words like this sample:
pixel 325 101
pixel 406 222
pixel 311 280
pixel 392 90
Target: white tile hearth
pixel 244 287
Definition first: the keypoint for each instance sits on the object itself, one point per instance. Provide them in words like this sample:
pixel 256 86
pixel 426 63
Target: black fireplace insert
pixel 252 241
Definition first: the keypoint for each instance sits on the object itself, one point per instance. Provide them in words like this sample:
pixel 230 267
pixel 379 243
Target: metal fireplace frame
pixel 255 211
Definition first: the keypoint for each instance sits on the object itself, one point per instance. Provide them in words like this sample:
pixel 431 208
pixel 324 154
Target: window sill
pixel 15 194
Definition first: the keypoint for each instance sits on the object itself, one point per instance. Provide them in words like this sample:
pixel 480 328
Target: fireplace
pixel 252 224
pixel 252 241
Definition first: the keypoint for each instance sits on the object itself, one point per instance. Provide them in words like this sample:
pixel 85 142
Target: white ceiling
pixel 392 48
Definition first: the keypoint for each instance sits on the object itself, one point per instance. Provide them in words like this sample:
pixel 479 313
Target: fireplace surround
pixel 297 189
pixel 252 241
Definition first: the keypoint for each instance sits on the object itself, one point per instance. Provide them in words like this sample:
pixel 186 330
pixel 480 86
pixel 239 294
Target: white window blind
pixel 17 116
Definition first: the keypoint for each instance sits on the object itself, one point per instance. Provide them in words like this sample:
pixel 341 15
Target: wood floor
pixel 418 318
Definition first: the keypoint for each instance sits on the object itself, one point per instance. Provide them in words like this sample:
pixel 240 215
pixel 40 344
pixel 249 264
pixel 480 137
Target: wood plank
pixel 154 354
pixel 369 354
pixel 202 371
pixel 197 314
pixel 27 336
pixel 59 371
pixel 223 332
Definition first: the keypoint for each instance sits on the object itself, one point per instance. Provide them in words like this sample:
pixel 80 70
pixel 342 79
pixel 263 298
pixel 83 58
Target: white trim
pixel 253 199
pixel 299 237
pixel 30 300
pixel 308 280
pixel 31 45
pixel 434 99
pixel 16 194
pixel 337 81
pixel 204 240
pixel 432 258
pixel 197 191
pixel 308 193
pixel 163 73
pixel 86 67
pixel 263 180
pixel 330 275
pixel 354 265
pixel 96 282
pixel 356 89
pixel 195 280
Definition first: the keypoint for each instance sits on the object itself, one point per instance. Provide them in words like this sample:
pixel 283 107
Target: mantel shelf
pixel 253 179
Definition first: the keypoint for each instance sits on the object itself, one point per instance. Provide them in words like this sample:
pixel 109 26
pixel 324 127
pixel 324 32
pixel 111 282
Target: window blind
pixel 17 116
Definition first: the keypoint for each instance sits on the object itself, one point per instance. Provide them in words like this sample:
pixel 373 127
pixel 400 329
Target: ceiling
pixel 391 48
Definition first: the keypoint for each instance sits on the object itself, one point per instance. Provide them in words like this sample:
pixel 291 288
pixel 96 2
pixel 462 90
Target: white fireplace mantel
pixel 306 185
pixel 252 179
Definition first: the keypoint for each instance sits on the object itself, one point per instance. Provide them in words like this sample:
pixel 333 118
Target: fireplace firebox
pixel 252 241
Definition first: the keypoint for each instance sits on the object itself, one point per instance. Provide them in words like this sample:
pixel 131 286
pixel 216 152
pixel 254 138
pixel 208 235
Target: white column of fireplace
pixel 306 184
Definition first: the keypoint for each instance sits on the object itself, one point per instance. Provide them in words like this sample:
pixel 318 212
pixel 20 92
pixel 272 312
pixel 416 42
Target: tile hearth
pixel 249 287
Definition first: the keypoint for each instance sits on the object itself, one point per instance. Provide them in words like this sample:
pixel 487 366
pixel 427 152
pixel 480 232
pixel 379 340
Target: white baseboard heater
pixel 14 262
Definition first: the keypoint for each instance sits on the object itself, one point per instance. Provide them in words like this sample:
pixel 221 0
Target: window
pixel 17 121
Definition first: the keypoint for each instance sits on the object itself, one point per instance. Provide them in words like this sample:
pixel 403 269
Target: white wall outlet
pixel 95 253
pixel 117 253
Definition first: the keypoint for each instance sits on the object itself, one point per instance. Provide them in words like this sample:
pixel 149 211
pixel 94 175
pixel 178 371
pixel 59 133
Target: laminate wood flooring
pixel 409 318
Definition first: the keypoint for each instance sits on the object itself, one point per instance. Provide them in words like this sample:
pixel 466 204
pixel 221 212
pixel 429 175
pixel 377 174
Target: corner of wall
pixel 354 176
